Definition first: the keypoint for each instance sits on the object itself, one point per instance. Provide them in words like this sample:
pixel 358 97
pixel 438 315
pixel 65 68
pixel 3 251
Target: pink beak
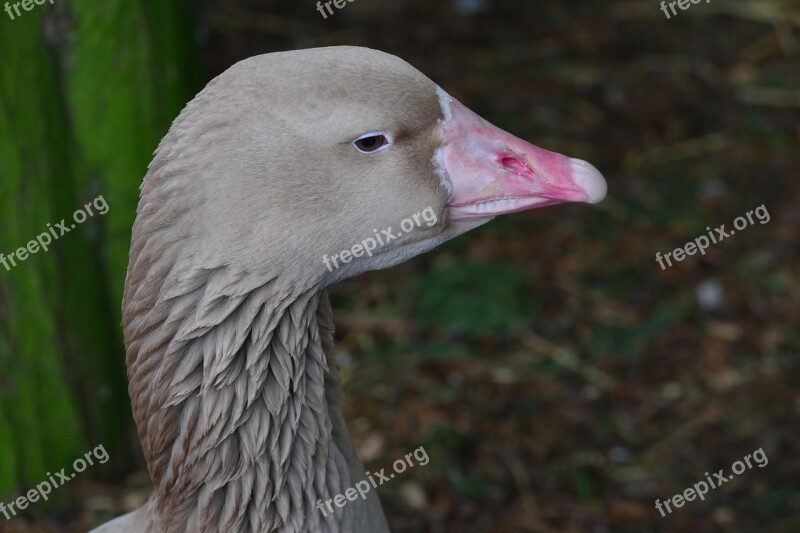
pixel 491 172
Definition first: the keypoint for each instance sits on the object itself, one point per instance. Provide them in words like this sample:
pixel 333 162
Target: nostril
pixel 514 164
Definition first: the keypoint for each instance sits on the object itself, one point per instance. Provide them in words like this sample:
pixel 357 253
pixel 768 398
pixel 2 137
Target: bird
pixel 281 159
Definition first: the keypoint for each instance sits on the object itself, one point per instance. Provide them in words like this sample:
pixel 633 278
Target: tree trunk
pixel 87 89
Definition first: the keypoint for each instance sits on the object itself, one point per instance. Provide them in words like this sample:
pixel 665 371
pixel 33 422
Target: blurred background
pixel 558 378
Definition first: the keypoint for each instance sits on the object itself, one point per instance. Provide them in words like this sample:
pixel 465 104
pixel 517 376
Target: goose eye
pixel 371 143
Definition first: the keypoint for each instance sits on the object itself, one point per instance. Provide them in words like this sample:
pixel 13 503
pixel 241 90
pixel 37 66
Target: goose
pixel 283 158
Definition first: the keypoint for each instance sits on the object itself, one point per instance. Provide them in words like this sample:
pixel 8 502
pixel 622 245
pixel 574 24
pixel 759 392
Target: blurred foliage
pixel 473 298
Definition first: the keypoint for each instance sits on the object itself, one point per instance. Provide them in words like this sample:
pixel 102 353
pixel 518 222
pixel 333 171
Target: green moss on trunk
pixel 86 92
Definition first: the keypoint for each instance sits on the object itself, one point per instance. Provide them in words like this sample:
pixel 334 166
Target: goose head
pixel 288 157
pixel 280 161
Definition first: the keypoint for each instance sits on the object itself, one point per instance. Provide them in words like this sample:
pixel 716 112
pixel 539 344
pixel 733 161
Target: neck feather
pixel 232 397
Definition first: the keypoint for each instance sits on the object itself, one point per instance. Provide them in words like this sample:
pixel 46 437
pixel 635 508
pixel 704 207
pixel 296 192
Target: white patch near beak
pixel 445 101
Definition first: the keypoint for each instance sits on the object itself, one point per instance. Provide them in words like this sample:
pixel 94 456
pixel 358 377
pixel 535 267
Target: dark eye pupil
pixel 370 144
